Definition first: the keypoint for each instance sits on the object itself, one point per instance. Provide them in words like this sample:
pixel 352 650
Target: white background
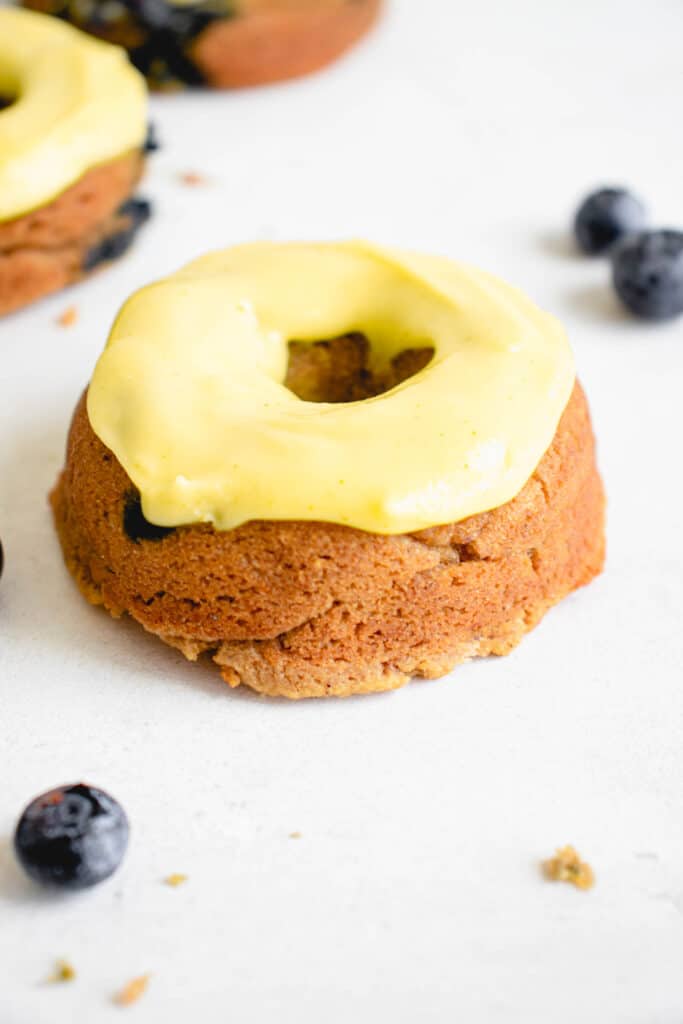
pixel 414 893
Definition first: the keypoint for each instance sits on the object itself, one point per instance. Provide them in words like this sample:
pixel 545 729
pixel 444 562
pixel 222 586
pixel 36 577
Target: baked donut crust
pixel 62 242
pixel 311 609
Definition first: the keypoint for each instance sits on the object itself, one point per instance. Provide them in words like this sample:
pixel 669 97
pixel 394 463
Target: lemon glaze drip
pixel 188 393
pixel 78 102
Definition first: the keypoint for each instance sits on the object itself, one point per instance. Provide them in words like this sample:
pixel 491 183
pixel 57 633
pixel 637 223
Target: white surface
pixel 414 892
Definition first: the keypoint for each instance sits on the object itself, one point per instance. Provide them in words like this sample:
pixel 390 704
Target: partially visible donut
pixel 92 223
pixel 72 150
pixel 222 43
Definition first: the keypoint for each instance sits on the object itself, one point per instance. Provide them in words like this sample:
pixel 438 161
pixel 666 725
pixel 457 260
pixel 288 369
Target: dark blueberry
pixel 110 248
pixel 151 143
pixel 169 30
pixel 647 271
pixel 137 211
pixel 606 216
pixel 136 526
pixel 163 60
pixel 72 837
pixel 133 214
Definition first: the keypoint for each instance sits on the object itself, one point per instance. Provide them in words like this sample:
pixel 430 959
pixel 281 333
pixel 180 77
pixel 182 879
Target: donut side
pixel 225 45
pixel 274 42
pixel 91 223
pixel 300 609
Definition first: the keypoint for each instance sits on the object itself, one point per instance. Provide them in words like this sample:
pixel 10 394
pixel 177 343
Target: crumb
pixel 69 317
pixel 567 866
pixel 63 972
pixel 175 880
pixel 192 178
pixel 295 835
pixel 131 992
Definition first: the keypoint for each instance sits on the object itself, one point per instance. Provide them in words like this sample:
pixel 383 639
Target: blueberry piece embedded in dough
pixel 71 837
pixel 133 213
pixel 647 271
pixel 162 59
pixel 606 216
pixel 138 211
pixel 137 527
pixel 151 143
pixel 168 33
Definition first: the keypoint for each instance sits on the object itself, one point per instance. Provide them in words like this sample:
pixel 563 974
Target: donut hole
pixel 6 101
pixel 338 370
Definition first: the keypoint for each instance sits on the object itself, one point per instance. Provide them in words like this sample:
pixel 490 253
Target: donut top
pixel 188 393
pixel 77 102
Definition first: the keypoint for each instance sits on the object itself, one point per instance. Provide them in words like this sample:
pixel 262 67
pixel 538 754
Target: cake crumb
pixel 192 178
pixel 175 880
pixel 69 317
pixel 63 971
pixel 295 835
pixel 132 991
pixel 567 866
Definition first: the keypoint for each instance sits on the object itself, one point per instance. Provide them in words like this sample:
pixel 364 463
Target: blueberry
pixel 136 526
pixel 151 143
pixel 138 211
pixel 606 216
pixel 133 214
pixel 72 837
pixel 647 271
pixel 110 248
pixel 167 31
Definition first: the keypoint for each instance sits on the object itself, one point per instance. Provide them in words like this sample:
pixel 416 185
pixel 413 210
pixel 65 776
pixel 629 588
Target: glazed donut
pixel 214 490
pixel 222 43
pixel 72 137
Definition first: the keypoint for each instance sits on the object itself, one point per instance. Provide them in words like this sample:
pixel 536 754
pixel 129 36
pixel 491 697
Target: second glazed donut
pixel 222 43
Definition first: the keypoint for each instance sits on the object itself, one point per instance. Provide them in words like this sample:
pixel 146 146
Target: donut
pixel 72 137
pixel 332 466
pixel 225 44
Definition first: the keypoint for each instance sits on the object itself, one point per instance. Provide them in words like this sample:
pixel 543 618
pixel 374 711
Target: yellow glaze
pixel 78 103
pixel 189 396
